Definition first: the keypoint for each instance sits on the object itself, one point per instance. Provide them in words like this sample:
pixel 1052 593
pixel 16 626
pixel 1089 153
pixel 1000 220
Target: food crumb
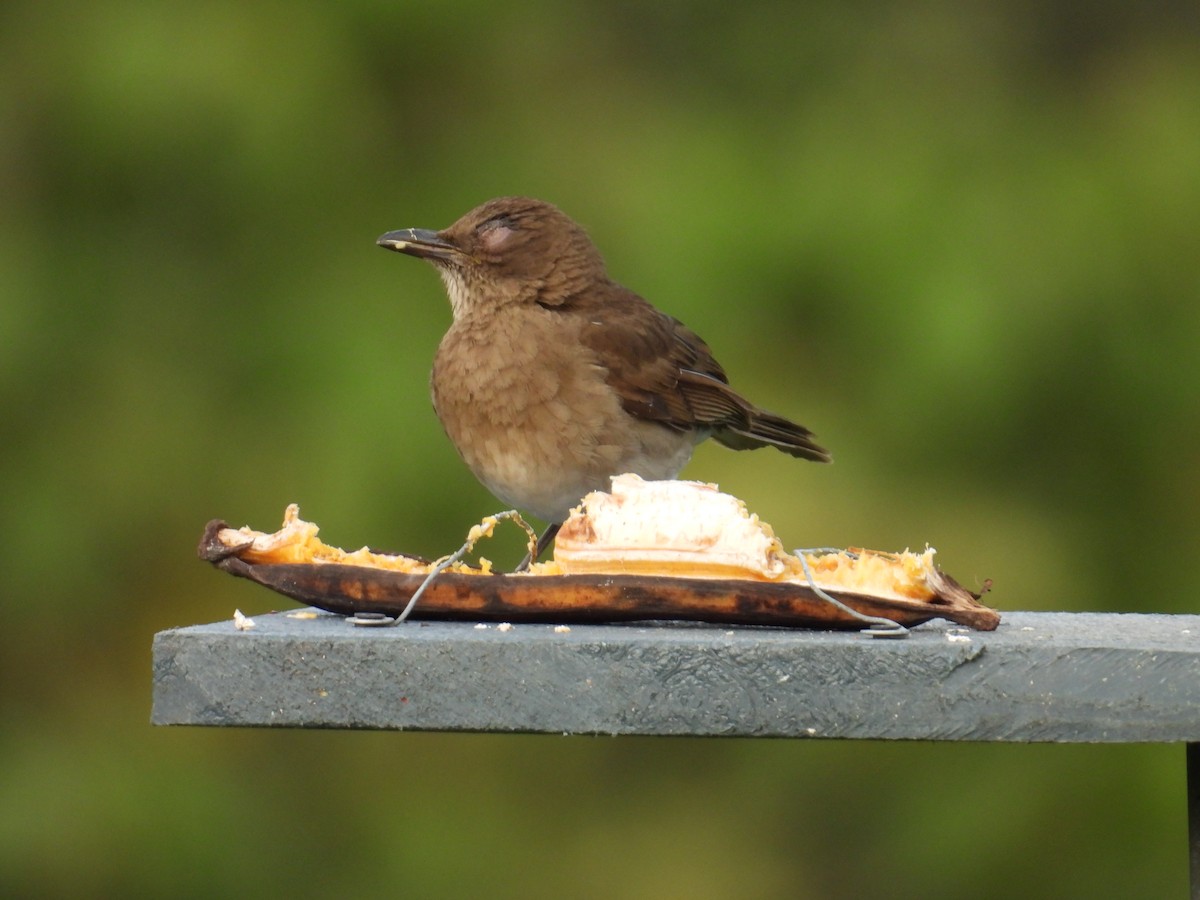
pixel 240 622
pixel 504 626
pixel 302 614
pixel 481 626
pixel 562 629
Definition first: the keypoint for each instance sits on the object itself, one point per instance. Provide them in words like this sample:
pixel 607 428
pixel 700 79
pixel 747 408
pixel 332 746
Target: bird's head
pixel 509 250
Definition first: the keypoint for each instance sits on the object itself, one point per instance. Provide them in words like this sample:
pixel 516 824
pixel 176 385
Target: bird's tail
pixel 765 429
pixel 734 421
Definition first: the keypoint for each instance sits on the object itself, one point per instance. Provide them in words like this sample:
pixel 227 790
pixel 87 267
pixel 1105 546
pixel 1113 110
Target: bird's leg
pixel 544 541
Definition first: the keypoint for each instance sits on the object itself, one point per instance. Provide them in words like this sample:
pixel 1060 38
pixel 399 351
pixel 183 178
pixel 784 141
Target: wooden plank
pixel 1056 677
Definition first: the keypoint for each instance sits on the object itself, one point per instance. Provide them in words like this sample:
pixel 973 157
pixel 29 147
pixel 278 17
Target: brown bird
pixel 553 377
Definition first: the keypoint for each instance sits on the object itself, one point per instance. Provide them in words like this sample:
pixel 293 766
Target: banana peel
pixel 769 587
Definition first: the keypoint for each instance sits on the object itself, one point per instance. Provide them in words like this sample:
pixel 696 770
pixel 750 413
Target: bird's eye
pixel 496 231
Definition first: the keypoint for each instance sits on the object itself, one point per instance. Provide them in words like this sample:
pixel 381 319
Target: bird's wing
pixel 645 354
pixel 664 372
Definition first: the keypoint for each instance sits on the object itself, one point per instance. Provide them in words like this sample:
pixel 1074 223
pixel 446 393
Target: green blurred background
pixel 958 240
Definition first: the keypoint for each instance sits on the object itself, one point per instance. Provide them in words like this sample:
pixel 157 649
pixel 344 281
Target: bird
pixel 552 377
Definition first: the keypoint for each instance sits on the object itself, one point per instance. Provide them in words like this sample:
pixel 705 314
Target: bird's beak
pixel 419 242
